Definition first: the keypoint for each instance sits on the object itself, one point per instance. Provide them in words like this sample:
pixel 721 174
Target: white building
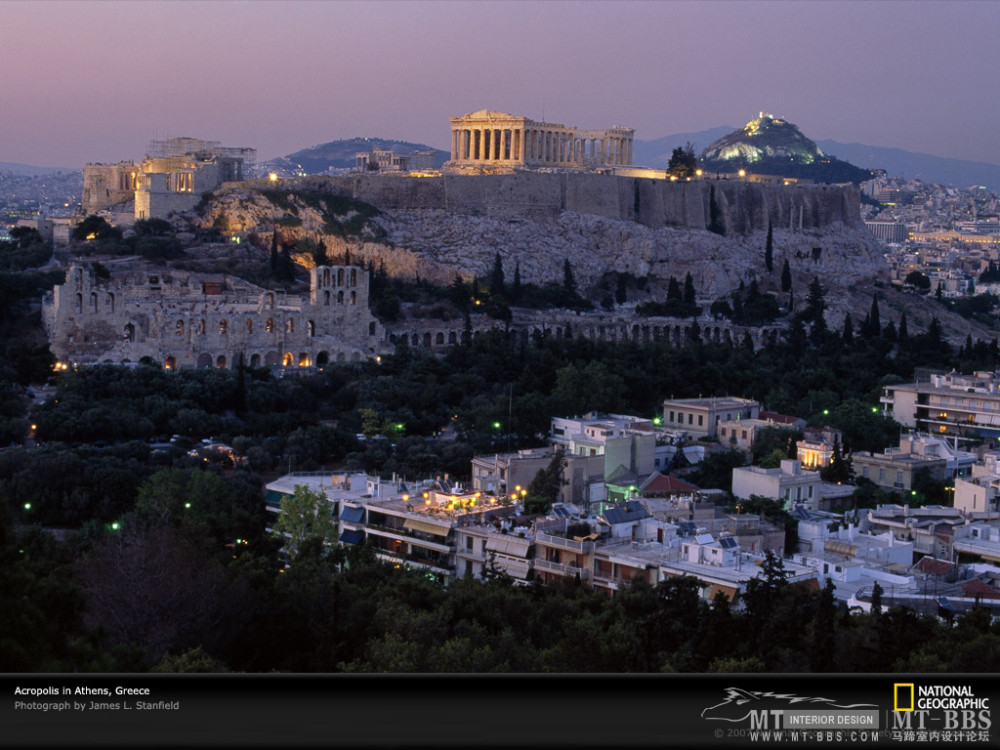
pixel 789 483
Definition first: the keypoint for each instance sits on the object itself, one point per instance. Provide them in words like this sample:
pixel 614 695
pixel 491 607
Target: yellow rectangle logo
pixel 902 696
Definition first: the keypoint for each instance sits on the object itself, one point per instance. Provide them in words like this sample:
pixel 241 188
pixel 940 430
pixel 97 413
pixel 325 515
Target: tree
pixel 516 291
pixel 304 514
pixel 274 252
pixel 683 163
pixel 621 289
pixel 786 277
pixel 769 249
pixel 497 285
pixel 848 333
pixel 689 294
pixel 874 321
pixel 569 283
pixel 547 484
pixel 816 306
pixel 96 227
pixel 674 291
pixel 919 281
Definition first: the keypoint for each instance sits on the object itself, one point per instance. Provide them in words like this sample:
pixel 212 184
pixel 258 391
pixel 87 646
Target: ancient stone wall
pixel 744 206
pixel 184 320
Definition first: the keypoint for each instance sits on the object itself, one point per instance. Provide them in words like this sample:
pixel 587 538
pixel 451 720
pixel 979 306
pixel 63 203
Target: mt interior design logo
pixel 778 711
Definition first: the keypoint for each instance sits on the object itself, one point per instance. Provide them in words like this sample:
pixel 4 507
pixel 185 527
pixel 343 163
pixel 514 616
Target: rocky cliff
pixel 436 227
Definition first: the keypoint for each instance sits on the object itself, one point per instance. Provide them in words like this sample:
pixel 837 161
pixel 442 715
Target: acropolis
pixel 497 139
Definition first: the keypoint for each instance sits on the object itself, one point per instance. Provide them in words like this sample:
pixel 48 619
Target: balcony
pixel 405 535
pixel 563 543
pixel 569 571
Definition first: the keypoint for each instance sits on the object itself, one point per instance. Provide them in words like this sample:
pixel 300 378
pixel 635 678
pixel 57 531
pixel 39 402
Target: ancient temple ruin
pixel 181 319
pixel 496 139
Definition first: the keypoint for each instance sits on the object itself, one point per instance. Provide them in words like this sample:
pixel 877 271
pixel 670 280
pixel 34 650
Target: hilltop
pixel 770 145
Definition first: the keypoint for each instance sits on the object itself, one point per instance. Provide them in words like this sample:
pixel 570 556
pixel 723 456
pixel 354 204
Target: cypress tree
pixel 497 285
pixel 569 283
pixel 689 293
pixel 769 249
pixel 674 290
pixel 903 334
pixel 875 325
pixel 786 277
pixel 515 292
pixel 848 334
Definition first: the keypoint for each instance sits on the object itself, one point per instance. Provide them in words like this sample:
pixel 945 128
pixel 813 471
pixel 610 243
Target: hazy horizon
pixel 97 80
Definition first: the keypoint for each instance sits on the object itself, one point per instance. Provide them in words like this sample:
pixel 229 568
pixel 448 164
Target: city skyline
pixel 96 81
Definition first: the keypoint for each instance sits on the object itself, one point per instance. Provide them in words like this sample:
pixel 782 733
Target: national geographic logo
pixel 934 708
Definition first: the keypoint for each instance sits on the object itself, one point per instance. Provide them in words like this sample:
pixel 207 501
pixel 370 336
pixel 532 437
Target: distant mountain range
pixel 340 154
pixel 896 162
pixel 29 170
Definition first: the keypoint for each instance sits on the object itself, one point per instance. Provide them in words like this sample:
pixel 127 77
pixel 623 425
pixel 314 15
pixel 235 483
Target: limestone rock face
pixel 439 226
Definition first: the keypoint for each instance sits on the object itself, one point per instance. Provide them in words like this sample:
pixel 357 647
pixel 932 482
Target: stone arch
pixel 427 339
pixel 79 279
pixel 201 327
pixel 340 277
pixel 93 302
pixel 270 300
pixel 392 338
pixel 271 359
pixel 109 302
pixel 290 325
pixel 355 357
pixel 340 297
pixel 255 360
pixel 128 333
pixel 223 327
pixel 322 359
pixel 304 359
pixel 288 359
pixel 354 297
pixel 170 363
pixel 220 362
pixel 415 339
pixel 326 297
pixel 269 325
pixel 341 357
pixel 452 337
pixel 179 328
pixel 354 277
pixel 204 360
pixel 311 327
pixel 249 325
pixel 79 303
pixel 326 281
pixel 439 339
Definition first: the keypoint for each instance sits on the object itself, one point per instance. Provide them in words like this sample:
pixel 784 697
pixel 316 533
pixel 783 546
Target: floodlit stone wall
pixel 185 320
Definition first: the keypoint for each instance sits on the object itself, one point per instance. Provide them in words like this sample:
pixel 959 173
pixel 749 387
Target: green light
pixel 187 505
pixel 874 410
pixel 496 425
pixel 913 492
pixel 114 526
pixel 657 421
pixel 27 506
pixel 826 412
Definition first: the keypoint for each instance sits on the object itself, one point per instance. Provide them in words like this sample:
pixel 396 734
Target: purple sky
pixel 96 81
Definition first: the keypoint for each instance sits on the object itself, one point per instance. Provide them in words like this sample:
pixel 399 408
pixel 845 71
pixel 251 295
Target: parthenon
pixel 496 139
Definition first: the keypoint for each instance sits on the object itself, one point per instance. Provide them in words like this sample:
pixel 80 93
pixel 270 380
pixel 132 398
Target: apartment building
pixel 700 417
pixel 947 404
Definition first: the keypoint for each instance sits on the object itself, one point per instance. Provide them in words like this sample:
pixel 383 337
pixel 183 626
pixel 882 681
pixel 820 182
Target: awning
pixel 729 591
pixel 427 528
pixel 352 536
pixel 352 515
pixel 515 547
pixel 514 568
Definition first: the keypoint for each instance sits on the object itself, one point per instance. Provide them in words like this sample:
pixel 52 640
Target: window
pixel 269 326
pixel 701 419
pixel 690 418
pixel 722 431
